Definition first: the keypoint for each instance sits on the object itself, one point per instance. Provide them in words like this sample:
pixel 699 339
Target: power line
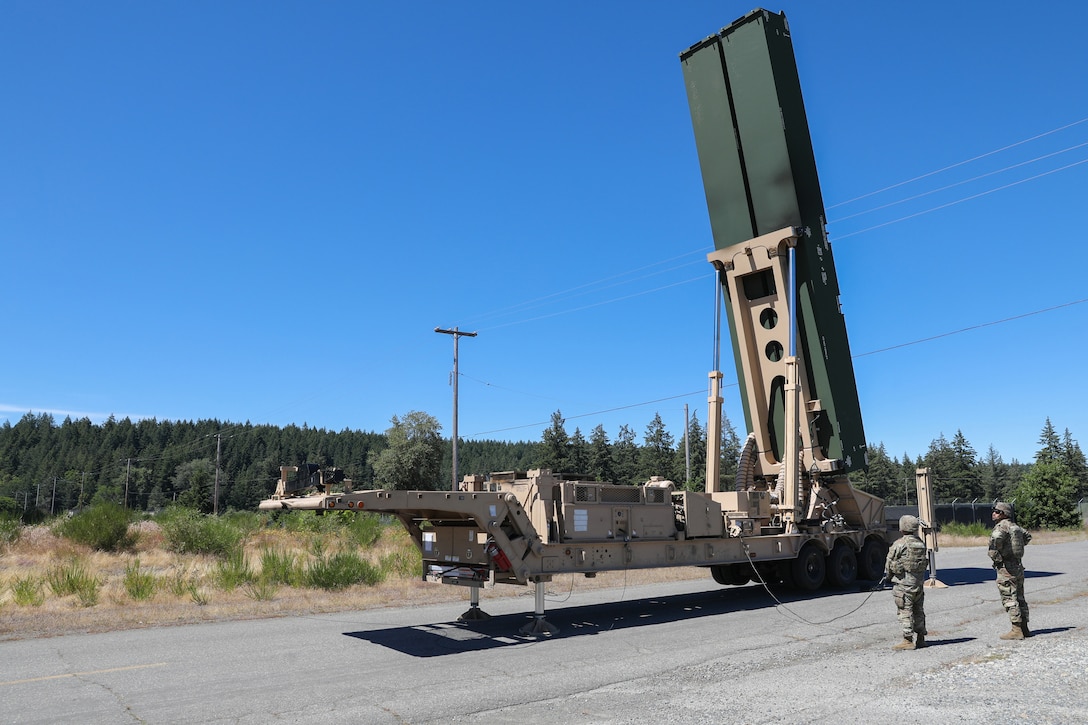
pixel 960 201
pixel 972 327
pixel 958 183
pixel 959 163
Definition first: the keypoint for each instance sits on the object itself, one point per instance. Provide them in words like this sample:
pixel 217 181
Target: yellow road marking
pixel 81 674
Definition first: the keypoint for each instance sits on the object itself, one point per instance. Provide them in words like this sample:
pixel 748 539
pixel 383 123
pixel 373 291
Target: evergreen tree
pixel 964 483
pixel 1051 444
pixel 656 457
pixel 578 462
pixel 193 481
pixel 881 477
pixel 625 457
pixel 694 442
pixel 1046 497
pixel 1073 458
pixel 600 456
pixel 555 445
pixel 941 461
pixel 730 455
pixel 993 474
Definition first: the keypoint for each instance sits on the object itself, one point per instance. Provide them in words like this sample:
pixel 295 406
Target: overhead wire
pixel 960 163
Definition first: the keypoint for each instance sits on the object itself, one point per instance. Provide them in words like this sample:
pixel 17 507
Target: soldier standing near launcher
pixel 905 566
pixel 1007 543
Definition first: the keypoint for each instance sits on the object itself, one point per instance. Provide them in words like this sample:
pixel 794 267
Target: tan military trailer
pixel 790 515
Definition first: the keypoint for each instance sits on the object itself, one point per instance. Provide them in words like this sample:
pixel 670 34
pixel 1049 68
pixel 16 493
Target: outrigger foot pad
pixel 539 626
pixel 474 614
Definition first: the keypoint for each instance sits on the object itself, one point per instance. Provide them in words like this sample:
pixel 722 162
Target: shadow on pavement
pixel 942 642
pixel 978 575
pixel 436 640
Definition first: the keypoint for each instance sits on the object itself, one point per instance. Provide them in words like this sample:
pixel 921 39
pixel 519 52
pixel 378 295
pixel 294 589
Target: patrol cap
pixel 908 524
pixel 1005 508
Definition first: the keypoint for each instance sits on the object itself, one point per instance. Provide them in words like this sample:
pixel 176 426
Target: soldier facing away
pixel 1007 543
pixel 906 566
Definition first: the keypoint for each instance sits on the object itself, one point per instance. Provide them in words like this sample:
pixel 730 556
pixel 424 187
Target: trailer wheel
pixel 842 566
pixel 730 574
pixel 871 562
pixel 809 568
pixel 720 572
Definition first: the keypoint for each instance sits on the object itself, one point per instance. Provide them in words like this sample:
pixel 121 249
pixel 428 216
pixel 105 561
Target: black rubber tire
pixel 809 568
pixel 874 553
pixel 721 574
pixel 842 566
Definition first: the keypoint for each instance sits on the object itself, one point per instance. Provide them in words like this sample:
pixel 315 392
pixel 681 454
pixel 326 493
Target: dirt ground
pixel 38 549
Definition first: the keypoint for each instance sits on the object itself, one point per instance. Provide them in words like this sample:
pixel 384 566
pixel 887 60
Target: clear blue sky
pixel 261 210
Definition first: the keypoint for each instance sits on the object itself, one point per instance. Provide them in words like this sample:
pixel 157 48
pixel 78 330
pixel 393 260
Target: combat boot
pixel 920 641
pixel 907 643
pixel 1014 633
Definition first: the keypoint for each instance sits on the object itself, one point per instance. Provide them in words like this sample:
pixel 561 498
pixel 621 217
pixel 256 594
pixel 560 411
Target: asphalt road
pixel 683 652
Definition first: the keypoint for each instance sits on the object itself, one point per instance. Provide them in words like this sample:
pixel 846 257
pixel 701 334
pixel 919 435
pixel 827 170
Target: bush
pixel 72 577
pixel 280 567
pixel 365 529
pixel 103 527
pixel 187 531
pixel 341 571
pixel 404 563
pixel 140 585
pixel 233 571
pixel 27 591
pixel 975 529
pixel 10 529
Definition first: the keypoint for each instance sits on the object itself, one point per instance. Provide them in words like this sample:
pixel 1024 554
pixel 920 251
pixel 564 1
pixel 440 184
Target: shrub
pixel 261 590
pixel 341 571
pixel 404 563
pixel 974 529
pixel 103 526
pixel 280 567
pixel 72 577
pixel 187 531
pixel 140 585
pixel 10 529
pixel 27 591
pixel 364 529
pixel 233 571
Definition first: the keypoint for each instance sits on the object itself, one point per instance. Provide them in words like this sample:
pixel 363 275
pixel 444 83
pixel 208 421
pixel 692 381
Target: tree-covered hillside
pixel 148 464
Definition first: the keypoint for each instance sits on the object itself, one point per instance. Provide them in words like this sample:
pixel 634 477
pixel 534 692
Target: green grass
pixel 71 577
pixel 233 571
pixel 28 591
pixel 968 530
pixel 341 571
pixel 139 584
pixel 280 567
pixel 10 528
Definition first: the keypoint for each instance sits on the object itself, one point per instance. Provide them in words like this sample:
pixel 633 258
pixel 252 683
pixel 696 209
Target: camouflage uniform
pixel 906 566
pixel 1007 543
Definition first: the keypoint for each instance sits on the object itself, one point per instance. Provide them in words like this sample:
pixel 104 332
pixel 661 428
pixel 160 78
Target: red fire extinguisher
pixel 502 563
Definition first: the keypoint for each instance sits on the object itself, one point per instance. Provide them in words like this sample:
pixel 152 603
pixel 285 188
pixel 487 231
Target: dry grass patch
pixel 189 588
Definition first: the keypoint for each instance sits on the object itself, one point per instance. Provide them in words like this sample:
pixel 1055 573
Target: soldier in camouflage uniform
pixel 906 566
pixel 1007 543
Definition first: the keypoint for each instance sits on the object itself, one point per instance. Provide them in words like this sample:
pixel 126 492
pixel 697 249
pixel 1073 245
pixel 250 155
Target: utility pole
pixel 457 334
pixel 215 493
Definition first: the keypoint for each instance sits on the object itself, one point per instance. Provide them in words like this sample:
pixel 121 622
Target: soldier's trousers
pixel 909 603
pixel 1010 584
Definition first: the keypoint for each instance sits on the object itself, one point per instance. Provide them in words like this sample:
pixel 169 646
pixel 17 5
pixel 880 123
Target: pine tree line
pixel 149 464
